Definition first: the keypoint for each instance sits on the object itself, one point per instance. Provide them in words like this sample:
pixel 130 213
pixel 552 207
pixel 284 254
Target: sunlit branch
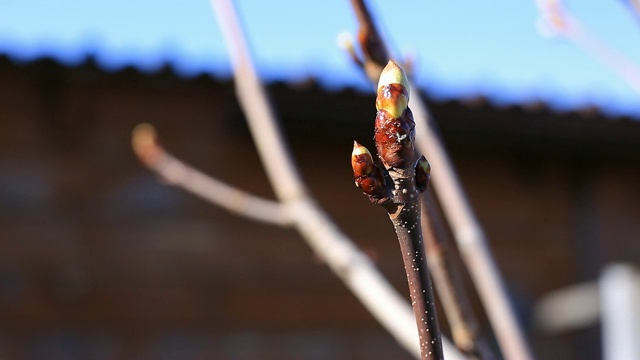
pixel 177 173
pixel 329 243
pixel 560 22
pixel 467 231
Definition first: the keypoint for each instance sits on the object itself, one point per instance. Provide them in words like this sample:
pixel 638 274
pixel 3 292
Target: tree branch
pixel 468 233
pixel 562 23
pixel 634 7
pixel 407 176
pixel 446 277
pixel 341 255
pixel 177 173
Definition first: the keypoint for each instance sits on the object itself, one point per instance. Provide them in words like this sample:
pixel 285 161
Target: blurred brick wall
pixel 98 259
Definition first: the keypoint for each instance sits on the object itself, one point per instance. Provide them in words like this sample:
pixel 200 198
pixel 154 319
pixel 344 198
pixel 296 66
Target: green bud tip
pixel 393 74
pixel 361 162
pixel 359 150
pixel 424 165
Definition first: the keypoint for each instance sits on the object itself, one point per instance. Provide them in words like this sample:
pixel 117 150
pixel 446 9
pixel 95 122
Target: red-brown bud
pixel 368 175
pixel 423 173
pixel 394 139
pixel 394 126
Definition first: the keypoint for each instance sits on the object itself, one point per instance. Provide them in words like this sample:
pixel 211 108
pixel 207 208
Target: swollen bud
pixel 393 90
pixel 368 175
pixel 361 161
pixel 423 173
pixel 394 125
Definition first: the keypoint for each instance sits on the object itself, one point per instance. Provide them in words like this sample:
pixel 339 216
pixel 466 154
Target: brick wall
pixel 100 260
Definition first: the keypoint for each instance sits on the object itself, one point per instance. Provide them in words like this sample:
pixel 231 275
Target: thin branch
pixel 260 115
pixel 407 176
pixel 568 309
pixel 374 50
pixel 562 23
pixel 467 231
pixel 446 277
pixel 341 255
pixel 470 239
pixel 634 6
pixel 177 173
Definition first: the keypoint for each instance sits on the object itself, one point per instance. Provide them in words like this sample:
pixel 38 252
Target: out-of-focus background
pixel 100 260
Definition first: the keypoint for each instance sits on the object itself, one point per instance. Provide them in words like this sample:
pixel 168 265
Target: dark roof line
pixel 169 72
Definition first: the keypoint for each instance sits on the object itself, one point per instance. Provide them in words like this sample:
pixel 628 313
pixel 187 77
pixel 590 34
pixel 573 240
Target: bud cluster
pixel 394 138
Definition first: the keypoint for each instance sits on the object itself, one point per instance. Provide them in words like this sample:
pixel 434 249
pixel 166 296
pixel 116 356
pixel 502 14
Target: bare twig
pixel 453 297
pixel 408 176
pixel 341 255
pixel 568 309
pixel 561 23
pixel 634 6
pixel 467 231
pixel 374 51
pixel 471 240
pixel 177 173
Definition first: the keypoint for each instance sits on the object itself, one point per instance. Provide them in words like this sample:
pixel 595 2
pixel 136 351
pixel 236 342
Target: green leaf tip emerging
pixel 393 90
pixel 368 175
pixel 393 74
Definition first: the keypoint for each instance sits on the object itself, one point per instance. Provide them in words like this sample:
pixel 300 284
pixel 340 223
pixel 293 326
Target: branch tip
pixel 393 74
pixel 144 141
pixel 394 125
pixel 393 90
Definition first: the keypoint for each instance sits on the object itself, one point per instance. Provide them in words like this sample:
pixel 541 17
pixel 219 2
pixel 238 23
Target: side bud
pixel 423 173
pixel 368 175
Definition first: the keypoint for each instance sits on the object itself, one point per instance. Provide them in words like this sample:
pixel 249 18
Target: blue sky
pixel 464 48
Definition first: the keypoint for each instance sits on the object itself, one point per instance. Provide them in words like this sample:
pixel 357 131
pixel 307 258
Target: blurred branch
pixel 634 6
pixel 341 255
pixel 374 51
pixel 470 238
pixel 619 298
pixel 571 308
pixel 177 173
pixel 407 176
pixel 613 300
pixel 559 22
pixel 447 279
pixel 467 231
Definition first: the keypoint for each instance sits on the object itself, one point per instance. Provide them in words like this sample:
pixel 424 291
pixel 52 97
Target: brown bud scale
pixel 394 139
pixel 393 98
pixel 423 173
pixel 368 175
